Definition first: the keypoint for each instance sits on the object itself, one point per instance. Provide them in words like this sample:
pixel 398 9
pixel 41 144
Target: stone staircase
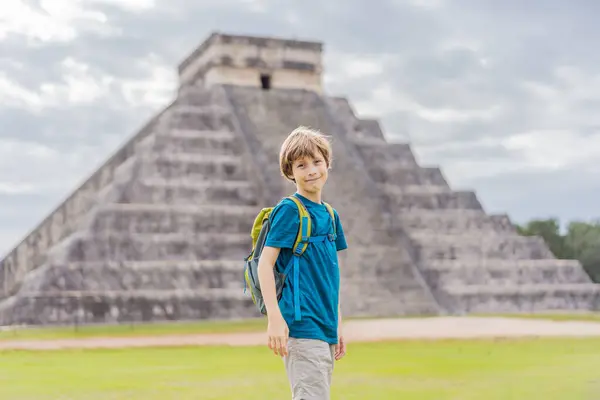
pixel 163 239
pixel 378 271
pixel 473 262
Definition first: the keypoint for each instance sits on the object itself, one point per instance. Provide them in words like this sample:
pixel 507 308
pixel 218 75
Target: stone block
pixel 370 128
pixel 198 142
pixel 185 191
pixel 196 96
pixel 193 167
pixel 407 175
pixel 477 246
pixel 162 218
pixel 526 298
pixel 201 118
pixel 128 306
pixel 503 222
pixel 497 273
pixel 451 221
pixel 376 152
pixel 160 247
pixel 135 276
pixel 429 198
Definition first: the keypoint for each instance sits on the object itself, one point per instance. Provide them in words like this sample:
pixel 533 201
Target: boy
pixel 309 344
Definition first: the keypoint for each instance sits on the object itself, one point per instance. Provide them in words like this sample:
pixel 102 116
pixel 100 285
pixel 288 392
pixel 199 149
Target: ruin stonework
pixel 160 231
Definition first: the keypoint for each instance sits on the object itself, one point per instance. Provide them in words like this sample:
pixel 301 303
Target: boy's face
pixel 310 173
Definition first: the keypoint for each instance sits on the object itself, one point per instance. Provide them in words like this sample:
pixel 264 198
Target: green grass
pixel 550 369
pixel 139 329
pixel 248 325
pixel 585 317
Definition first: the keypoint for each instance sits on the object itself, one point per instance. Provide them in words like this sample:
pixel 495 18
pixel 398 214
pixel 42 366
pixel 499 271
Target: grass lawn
pixel 249 325
pixel 549 369
pixel 137 329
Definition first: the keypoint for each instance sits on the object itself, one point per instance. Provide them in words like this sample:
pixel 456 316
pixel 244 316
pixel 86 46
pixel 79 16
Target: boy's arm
pixel 277 329
pixel 340 302
pixel 266 278
pixel 340 348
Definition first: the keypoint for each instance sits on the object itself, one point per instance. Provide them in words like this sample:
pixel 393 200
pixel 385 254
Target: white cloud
pixel 559 103
pixel 14 95
pixel 361 67
pixel 384 100
pixel 431 4
pixel 448 115
pixel 425 4
pixel 34 167
pixel 156 88
pixel 15 188
pixel 79 85
pixel 18 17
pixel 56 20
pixel 344 67
pixel 128 5
pixel 554 149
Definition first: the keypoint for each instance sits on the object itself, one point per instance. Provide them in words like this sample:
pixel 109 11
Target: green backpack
pixel 260 230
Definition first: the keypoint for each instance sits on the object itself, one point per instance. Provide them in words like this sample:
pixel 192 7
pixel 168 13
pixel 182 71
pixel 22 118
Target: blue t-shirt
pixel 319 275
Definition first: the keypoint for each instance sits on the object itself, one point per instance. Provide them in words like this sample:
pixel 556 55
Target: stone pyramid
pixel 160 231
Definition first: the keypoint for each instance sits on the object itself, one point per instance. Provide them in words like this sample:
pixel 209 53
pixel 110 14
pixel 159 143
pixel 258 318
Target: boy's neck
pixel 315 197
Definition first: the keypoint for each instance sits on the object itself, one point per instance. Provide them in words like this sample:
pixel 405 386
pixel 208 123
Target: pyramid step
pixel 211 118
pixel 198 96
pixel 370 128
pixel 183 265
pixel 419 197
pixel 504 272
pixel 129 306
pixel 380 152
pixel 160 247
pixel 166 218
pixel 194 167
pixel 368 140
pixel 525 298
pixel 503 222
pixel 188 191
pixel 382 302
pixel 479 246
pixel 404 175
pixel 197 142
pixel 149 275
pixel 451 221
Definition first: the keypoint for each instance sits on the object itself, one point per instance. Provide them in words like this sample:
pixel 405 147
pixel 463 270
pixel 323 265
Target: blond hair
pixel 303 142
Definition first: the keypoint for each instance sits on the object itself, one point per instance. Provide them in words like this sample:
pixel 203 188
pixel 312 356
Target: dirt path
pixel 355 331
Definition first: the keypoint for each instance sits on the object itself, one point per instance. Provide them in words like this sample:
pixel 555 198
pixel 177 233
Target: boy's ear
pixel 291 178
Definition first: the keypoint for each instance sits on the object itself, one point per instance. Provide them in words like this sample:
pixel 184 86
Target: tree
pixel 549 230
pixel 581 241
pixel 584 240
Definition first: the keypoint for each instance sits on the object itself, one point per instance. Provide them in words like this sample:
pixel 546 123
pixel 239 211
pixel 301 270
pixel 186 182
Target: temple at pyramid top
pixel 264 62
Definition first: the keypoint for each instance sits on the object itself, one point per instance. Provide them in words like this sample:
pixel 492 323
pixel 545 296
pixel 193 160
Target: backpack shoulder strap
pixel 258 224
pixel 305 227
pixel 330 209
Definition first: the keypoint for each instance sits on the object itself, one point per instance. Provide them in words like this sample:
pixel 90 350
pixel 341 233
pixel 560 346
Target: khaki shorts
pixel 309 366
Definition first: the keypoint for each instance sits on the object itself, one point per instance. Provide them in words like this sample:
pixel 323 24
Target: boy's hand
pixel 340 348
pixel 278 334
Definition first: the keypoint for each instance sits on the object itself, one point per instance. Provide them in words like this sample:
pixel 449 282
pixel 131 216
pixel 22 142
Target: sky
pixel 502 95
